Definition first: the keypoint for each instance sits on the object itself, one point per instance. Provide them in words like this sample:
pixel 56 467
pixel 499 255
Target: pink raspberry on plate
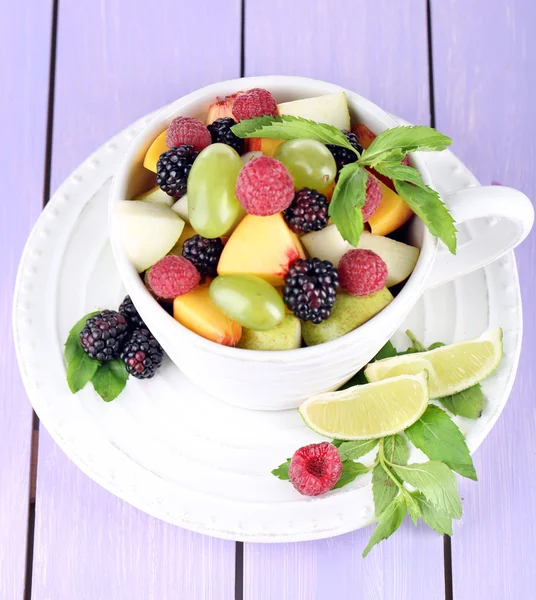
pixel 187 130
pixel 264 187
pixel 374 196
pixel 254 103
pixel 315 469
pixel 362 272
pixel 172 276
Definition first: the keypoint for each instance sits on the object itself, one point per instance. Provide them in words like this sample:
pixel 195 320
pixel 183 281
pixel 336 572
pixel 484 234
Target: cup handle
pixel 512 217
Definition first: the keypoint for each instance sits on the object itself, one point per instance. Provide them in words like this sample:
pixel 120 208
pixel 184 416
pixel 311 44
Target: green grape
pixel 248 300
pixel 309 162
pixel 213 209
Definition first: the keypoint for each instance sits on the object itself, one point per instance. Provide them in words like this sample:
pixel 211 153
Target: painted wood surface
pixel 24 70
pixel 485 76
pixel 379 49
pixel 117 61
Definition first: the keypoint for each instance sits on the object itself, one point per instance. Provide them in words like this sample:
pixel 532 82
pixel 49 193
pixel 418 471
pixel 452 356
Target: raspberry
pixel 254 103
pixel 220 130
pixel 187 130
pixel 142 354
pixel 315 469
pixel 344 156
pixel 264 186
pixel 172 276
pixel 310 289
pixel 308 211
pixel 203 253
pixel 362 272
pixel 374 196
pixel 173 168
pixel 128 310
pixel 103 335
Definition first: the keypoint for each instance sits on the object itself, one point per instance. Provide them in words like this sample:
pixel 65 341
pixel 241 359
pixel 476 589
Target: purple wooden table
pixel 73 73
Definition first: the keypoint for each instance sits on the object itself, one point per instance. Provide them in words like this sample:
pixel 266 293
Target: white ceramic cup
pixel 283 379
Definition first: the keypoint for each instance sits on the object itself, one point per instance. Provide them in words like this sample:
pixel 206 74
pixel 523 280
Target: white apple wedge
pixel 331 109
pixel 328 244
pixel 156 196
pixel 181 208
pixel 147 231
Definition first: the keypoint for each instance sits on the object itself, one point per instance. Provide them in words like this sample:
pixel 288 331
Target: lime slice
pixel 368 411
pixel 451 369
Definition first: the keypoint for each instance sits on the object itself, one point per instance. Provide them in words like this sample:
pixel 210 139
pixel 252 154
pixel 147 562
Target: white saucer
pixel 165 446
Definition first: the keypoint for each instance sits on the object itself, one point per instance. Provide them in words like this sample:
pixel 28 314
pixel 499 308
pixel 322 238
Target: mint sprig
pixel 384 154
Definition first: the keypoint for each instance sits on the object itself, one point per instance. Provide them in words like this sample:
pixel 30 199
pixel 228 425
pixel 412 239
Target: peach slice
pixel 221 108
pixel 365 137
pixel 262 246
pixel 195 311
pixel 154 152
pixel 391 214
pixel 265 145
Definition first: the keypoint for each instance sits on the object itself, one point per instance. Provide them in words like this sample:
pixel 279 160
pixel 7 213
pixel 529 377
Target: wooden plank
pixel 485 80
pixel 379 49
pixel 25 48
pixel 116 61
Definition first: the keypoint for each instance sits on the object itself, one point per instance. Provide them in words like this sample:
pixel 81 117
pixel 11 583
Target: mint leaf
pixel 414 510
pixel 436 345
pixel 440 439
pixel 80 370
pixel 437 519
pixel 402 172
pixel 389 522
pixel 388 351
pixel 287 127
pixel 437 482
pixel 348 199
pixel 359 378
pixel 110 379
pixel 393 144
pixel 468 404
pixel 426 204
pixel 72 344
pixel 415 344
pixel 356 449
pixel 384 489
pixel 337 443
pixel 282 470
pixel 350 470
pixel 395 449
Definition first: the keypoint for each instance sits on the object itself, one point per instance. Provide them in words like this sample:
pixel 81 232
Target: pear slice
pixel 156 196
pixel 331 109
pixel 286 336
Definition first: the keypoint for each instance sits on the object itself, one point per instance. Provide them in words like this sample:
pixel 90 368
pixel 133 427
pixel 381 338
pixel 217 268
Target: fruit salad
pixel 237 237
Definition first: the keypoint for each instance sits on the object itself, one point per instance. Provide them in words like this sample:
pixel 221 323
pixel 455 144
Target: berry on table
pixel 264 187
pixel 315 469
pixel 103 335
pixel 344 156
pixel 220 131
pixel 173 168
pixel 373 197
pixel 362 272
pixel 310 289
pixel 308 211
pixel 203 253
pixel 188 131
pixel 142 354
pixel 254 103
pixel 128 310
pixel 172 276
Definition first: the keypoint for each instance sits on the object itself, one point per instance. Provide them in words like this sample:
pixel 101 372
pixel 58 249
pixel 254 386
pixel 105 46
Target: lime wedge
pixel 368 411
pixel 451 369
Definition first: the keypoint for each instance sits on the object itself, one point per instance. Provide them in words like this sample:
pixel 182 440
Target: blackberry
pixel 128 310
pixel 203 253
pixel 310 289
pixel 173 168
pixel 103 335
pixel 344 156
pixel 308 211
pixel 142 354
pixel 220 130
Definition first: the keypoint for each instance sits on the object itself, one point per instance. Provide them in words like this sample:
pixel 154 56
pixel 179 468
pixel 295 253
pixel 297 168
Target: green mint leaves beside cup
pixel 384 155
pixel 108 379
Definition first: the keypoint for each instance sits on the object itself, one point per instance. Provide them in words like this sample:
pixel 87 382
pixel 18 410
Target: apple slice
pixel 156 196
pixel 181 208
pixel 155 150
pixel 349 312
pixel 328 244
pixel 286 336
pixel 147 231
pixel 262 246
pixel 331 109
